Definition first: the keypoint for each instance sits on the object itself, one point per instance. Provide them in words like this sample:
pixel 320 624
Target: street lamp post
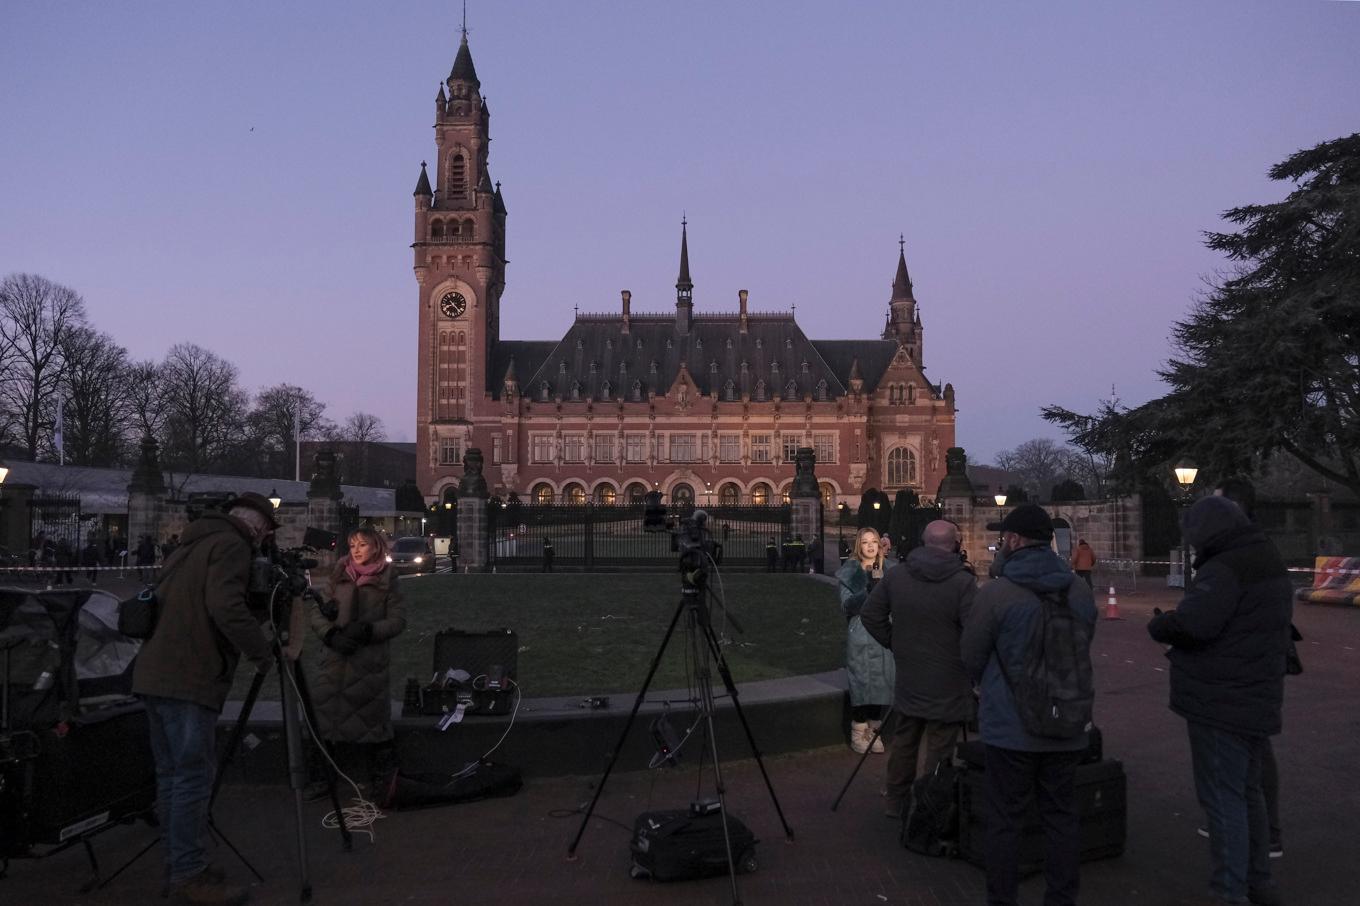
pixel 1185 473
pixel 840 529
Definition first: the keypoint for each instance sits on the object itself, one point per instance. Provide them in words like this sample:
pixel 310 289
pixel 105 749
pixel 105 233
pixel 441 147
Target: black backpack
pixel 1054 692
pixel 931 824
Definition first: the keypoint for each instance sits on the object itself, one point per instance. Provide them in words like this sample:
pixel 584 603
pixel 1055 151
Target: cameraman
pixel 184 672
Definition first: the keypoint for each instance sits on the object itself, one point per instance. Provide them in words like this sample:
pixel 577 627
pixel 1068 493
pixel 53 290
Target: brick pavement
pixel 513 851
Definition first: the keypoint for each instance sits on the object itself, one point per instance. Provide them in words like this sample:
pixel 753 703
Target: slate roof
pixel 462 65
pixel 874 358
pixel 527 356
pixel 596 352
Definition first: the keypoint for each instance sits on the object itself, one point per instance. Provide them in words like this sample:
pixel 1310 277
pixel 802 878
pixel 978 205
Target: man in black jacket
pixel 918 613
pixel 1228 638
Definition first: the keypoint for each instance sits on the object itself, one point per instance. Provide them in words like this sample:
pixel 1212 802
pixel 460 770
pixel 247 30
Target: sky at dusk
pixel 239 174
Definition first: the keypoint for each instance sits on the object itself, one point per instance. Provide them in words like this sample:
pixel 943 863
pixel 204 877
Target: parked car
pixel 411 555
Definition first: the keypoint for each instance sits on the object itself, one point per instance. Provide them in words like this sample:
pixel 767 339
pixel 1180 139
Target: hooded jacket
pixel 918 611
pixel 1230 632
pixel 1001 625
pixel 204 620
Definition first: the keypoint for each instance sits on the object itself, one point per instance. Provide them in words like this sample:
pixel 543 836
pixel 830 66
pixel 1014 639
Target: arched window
pixel 574 493
pixel 729 495
pixel 457 175
pixel 576 390
pixel 606 495
pixel 604 390
pixel 437 230
pixel 784 494
pixel 682 495
pixel 821 390
pixel 637 391
pixel 760 494
pixel 635 492
pixel 790 390
pixel 760 391
pixel 543 493
pixel 828 496
pixel 451 494
pixel 901 467
pixel 729 391
pixel 454 229
pixel 467 231
pixel 911 393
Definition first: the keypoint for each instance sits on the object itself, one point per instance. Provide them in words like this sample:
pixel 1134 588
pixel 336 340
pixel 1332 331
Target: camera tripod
pixel 703 652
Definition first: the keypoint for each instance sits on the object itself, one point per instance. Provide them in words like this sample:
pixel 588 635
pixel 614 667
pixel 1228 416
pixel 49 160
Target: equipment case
pixel 681 846
pixel 476 653
pixel 1100 791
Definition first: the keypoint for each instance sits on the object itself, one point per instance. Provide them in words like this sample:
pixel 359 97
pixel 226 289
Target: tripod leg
pixel 346 839
pixel 731 688
pixel 878 731
pixel 297 771
pixel 628 725
pixel 705 681
pixel 237 732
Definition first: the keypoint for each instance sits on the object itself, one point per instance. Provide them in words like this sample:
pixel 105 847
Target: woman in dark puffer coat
pixel 352 688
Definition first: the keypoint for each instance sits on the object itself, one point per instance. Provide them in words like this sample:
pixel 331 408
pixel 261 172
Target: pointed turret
pixel 902 282
pixel 441 100
pixel 499 200
pixel 463 70
pixel 902 324
pixel 423 184
pixel 684 286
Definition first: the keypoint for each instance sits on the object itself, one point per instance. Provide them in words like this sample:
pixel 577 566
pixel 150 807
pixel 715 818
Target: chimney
pixel 627 309
pixel 741 297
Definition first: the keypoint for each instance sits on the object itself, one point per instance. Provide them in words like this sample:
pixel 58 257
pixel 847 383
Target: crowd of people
pixel 931 651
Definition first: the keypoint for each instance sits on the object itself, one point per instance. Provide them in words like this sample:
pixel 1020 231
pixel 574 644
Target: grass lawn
pixel 591 634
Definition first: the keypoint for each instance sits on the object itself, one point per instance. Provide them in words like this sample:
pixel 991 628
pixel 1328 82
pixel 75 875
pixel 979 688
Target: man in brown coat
pixel 918 612
pixel 184 672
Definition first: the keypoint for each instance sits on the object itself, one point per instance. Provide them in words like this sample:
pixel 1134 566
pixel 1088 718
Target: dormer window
pixel 637 391
pixel 543 391
pixel 604 390
pixel 729 391
pixel 790 390
pixel 821 390
pixel 576 390
pixel 760 391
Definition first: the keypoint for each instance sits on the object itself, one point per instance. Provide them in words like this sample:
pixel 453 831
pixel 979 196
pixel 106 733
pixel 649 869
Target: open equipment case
pixel 75 753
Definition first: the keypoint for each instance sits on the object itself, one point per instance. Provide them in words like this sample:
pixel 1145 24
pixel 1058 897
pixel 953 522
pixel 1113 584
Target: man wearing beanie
pixel 1022 766
pixel 1228 639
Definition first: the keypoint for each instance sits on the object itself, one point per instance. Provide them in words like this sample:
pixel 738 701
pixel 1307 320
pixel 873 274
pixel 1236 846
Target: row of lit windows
pixel 682 493
pixel 680 447
pixel 729 391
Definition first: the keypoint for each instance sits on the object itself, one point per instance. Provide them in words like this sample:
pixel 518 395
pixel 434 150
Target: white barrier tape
pixel 74 569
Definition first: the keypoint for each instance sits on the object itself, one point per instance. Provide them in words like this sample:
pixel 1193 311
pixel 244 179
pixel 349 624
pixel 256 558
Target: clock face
pixel 453 304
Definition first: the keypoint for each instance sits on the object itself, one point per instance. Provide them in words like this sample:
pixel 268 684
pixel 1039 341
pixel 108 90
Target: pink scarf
pixel 367 573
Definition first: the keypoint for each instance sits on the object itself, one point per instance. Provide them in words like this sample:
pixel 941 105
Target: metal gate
pixel 606 537
pixel 54 529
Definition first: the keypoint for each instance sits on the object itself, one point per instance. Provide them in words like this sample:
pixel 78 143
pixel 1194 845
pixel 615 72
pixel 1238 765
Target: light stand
pixel 1185 473
pixel 703 652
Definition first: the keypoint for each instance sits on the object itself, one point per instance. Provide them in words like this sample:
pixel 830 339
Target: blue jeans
pixel 1227 770
pixel 183 742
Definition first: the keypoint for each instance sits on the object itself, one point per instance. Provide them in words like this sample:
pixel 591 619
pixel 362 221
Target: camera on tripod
pixel 691 537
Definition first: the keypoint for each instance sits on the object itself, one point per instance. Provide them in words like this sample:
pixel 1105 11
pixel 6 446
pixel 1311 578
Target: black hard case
pixel 679 846
pixel 1101 803
pixel 475 652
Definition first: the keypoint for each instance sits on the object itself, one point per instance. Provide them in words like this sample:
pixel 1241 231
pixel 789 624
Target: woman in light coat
pixel 868 664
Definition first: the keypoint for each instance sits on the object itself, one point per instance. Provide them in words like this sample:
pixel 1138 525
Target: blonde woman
pixel 868 664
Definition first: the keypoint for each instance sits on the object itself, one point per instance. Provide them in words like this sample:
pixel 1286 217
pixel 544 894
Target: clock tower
pixel 459 252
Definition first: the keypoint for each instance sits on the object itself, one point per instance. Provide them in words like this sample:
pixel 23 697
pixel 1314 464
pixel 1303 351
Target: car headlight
pixel 389 558
pixel 418 560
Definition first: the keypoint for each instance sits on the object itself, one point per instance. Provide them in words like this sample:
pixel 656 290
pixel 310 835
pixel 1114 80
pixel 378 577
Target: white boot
pixel 874 726
pixel 859 737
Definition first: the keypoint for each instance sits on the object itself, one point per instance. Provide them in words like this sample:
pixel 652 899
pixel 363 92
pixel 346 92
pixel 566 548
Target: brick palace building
pixel 703 405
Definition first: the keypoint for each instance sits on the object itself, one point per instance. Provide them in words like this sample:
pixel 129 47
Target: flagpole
pixel 297 443
pixel 60 441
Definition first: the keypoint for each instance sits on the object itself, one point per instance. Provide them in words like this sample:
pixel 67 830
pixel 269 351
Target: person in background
pixel 548 554
pixel 352 690
pixel 799 553
pixel 1083 561
pixel 771 556
pixel 918 612
pixel 146 558
pixel 868 665
pixel 89 558
pixel 183 674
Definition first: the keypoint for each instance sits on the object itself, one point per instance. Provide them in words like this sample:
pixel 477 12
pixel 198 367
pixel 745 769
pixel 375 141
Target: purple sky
pixel 239 175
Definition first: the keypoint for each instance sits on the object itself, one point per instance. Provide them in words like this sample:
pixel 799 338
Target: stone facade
pixel 708 407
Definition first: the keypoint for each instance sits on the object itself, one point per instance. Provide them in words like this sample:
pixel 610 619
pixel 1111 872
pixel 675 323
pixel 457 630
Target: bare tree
pixel 1040 464
pixel 35 315
pixel 205 408
pixel 364 427
pixel 278 411
pixel 97 411
pixel 145 395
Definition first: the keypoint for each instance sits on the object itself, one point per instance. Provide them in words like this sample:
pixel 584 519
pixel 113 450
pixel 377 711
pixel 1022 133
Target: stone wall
pixel 1113 528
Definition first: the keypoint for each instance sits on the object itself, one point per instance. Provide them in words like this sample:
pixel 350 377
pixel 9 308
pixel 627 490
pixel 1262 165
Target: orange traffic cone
pixel 1112 607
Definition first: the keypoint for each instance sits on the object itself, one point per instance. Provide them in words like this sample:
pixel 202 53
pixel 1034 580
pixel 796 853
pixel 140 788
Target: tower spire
pixel 684 287
pixel 683 281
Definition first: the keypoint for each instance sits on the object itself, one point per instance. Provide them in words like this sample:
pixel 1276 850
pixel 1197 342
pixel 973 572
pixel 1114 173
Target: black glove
pixel 1156 611
pixel 336 640
pixel 361 631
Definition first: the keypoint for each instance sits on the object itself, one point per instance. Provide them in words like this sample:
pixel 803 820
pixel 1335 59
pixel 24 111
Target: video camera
pixel 285 571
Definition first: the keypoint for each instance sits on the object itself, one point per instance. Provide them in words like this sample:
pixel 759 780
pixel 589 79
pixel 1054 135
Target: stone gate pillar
pixel 806 499
pixel 472 527
pixel 323 505
pixel 146 495
pixel 956 500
